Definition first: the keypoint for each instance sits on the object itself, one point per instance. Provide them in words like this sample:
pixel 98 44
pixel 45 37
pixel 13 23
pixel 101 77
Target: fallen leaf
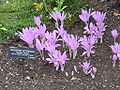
pixel 116 14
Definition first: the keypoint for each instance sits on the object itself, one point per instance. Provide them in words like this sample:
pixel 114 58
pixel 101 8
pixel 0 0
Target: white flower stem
pixel 74 53
pixel 101 40
pixel 70 52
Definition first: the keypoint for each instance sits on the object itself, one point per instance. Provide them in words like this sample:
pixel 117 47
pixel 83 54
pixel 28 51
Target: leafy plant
pixel 59 5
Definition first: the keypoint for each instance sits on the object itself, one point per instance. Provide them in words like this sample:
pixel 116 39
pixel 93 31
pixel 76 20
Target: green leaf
pixel 64 7
pixel 55 8
pixel 0 25
pixel 4 29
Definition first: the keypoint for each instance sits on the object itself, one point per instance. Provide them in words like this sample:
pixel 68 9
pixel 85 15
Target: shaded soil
pixel 37 74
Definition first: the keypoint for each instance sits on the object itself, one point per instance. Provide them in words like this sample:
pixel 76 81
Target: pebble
pixel 28 78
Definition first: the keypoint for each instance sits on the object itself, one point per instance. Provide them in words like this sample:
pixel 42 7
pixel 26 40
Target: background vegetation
pixel 19 14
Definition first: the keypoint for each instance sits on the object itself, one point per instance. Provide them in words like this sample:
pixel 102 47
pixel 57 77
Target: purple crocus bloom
pixel 87 44
pixel 114 34
pixel 51 47
pixel 42 30
pixel 55 15
pixel 61 31
pixel 86 67
pixel 40 45
pixel 93 72
pixel 85 15
pixel 62 18
pixel 27 36
pixel 98 16
pixel 52 37
pixel 58 59
pixel 116 49
pixel 114 57
pixel 91 29
pixel 73 42
pixel 88 49
pixel 37 21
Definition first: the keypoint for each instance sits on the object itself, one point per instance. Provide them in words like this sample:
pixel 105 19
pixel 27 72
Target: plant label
pixel 22 52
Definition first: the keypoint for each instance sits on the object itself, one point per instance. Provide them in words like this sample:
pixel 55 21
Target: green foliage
pixel 19 13
pixel 59 5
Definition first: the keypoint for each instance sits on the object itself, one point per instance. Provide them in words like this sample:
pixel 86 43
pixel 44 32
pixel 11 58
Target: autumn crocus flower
pixel 85 15
pixel 27 36
pixel 52 37
pixel 37 21
pixel 91 29
pixel 98 16
pixel 116 49
pixel 40 45
pixel 57 15
pixel 51 47
pixel 58 59
pixel 114 58
pixel 114 34
pixel 87 44
pixel 99 31
pixel 86 67
pixel 93 72
pixel 72 43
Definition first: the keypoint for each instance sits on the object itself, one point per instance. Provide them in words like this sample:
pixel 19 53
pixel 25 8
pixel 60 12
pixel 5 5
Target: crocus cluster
pixel 88 68
pixel 70 40
pixel 96 29
pixel 45 41
pixel 58 59
pixel 115 48
pixel 87 44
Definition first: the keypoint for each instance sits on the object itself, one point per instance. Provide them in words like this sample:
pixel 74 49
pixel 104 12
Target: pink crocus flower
pixel 27 36
pixel 57 15
pixel 98 16
pixel 42 30
pixel 72 43
pixel 114 34
pixel 52 37
pixel 86 67
pixel 51 47
pixel 58 59
pixel 87 44
pixel 91 29
pixel 40 45
pixel 93 72
pixel 85 15
pixel 37 21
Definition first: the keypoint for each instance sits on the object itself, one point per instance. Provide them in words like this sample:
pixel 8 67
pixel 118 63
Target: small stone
pixel 73 78
pixel 28 78
pixel 6 86
pixel 104 86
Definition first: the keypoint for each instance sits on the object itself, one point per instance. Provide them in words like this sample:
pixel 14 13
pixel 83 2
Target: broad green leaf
pixel 3 29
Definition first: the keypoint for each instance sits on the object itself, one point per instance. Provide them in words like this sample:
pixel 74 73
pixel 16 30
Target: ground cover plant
pixel 84 56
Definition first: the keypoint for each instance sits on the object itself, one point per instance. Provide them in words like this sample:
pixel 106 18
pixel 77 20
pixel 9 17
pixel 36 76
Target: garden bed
pixel 37 74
